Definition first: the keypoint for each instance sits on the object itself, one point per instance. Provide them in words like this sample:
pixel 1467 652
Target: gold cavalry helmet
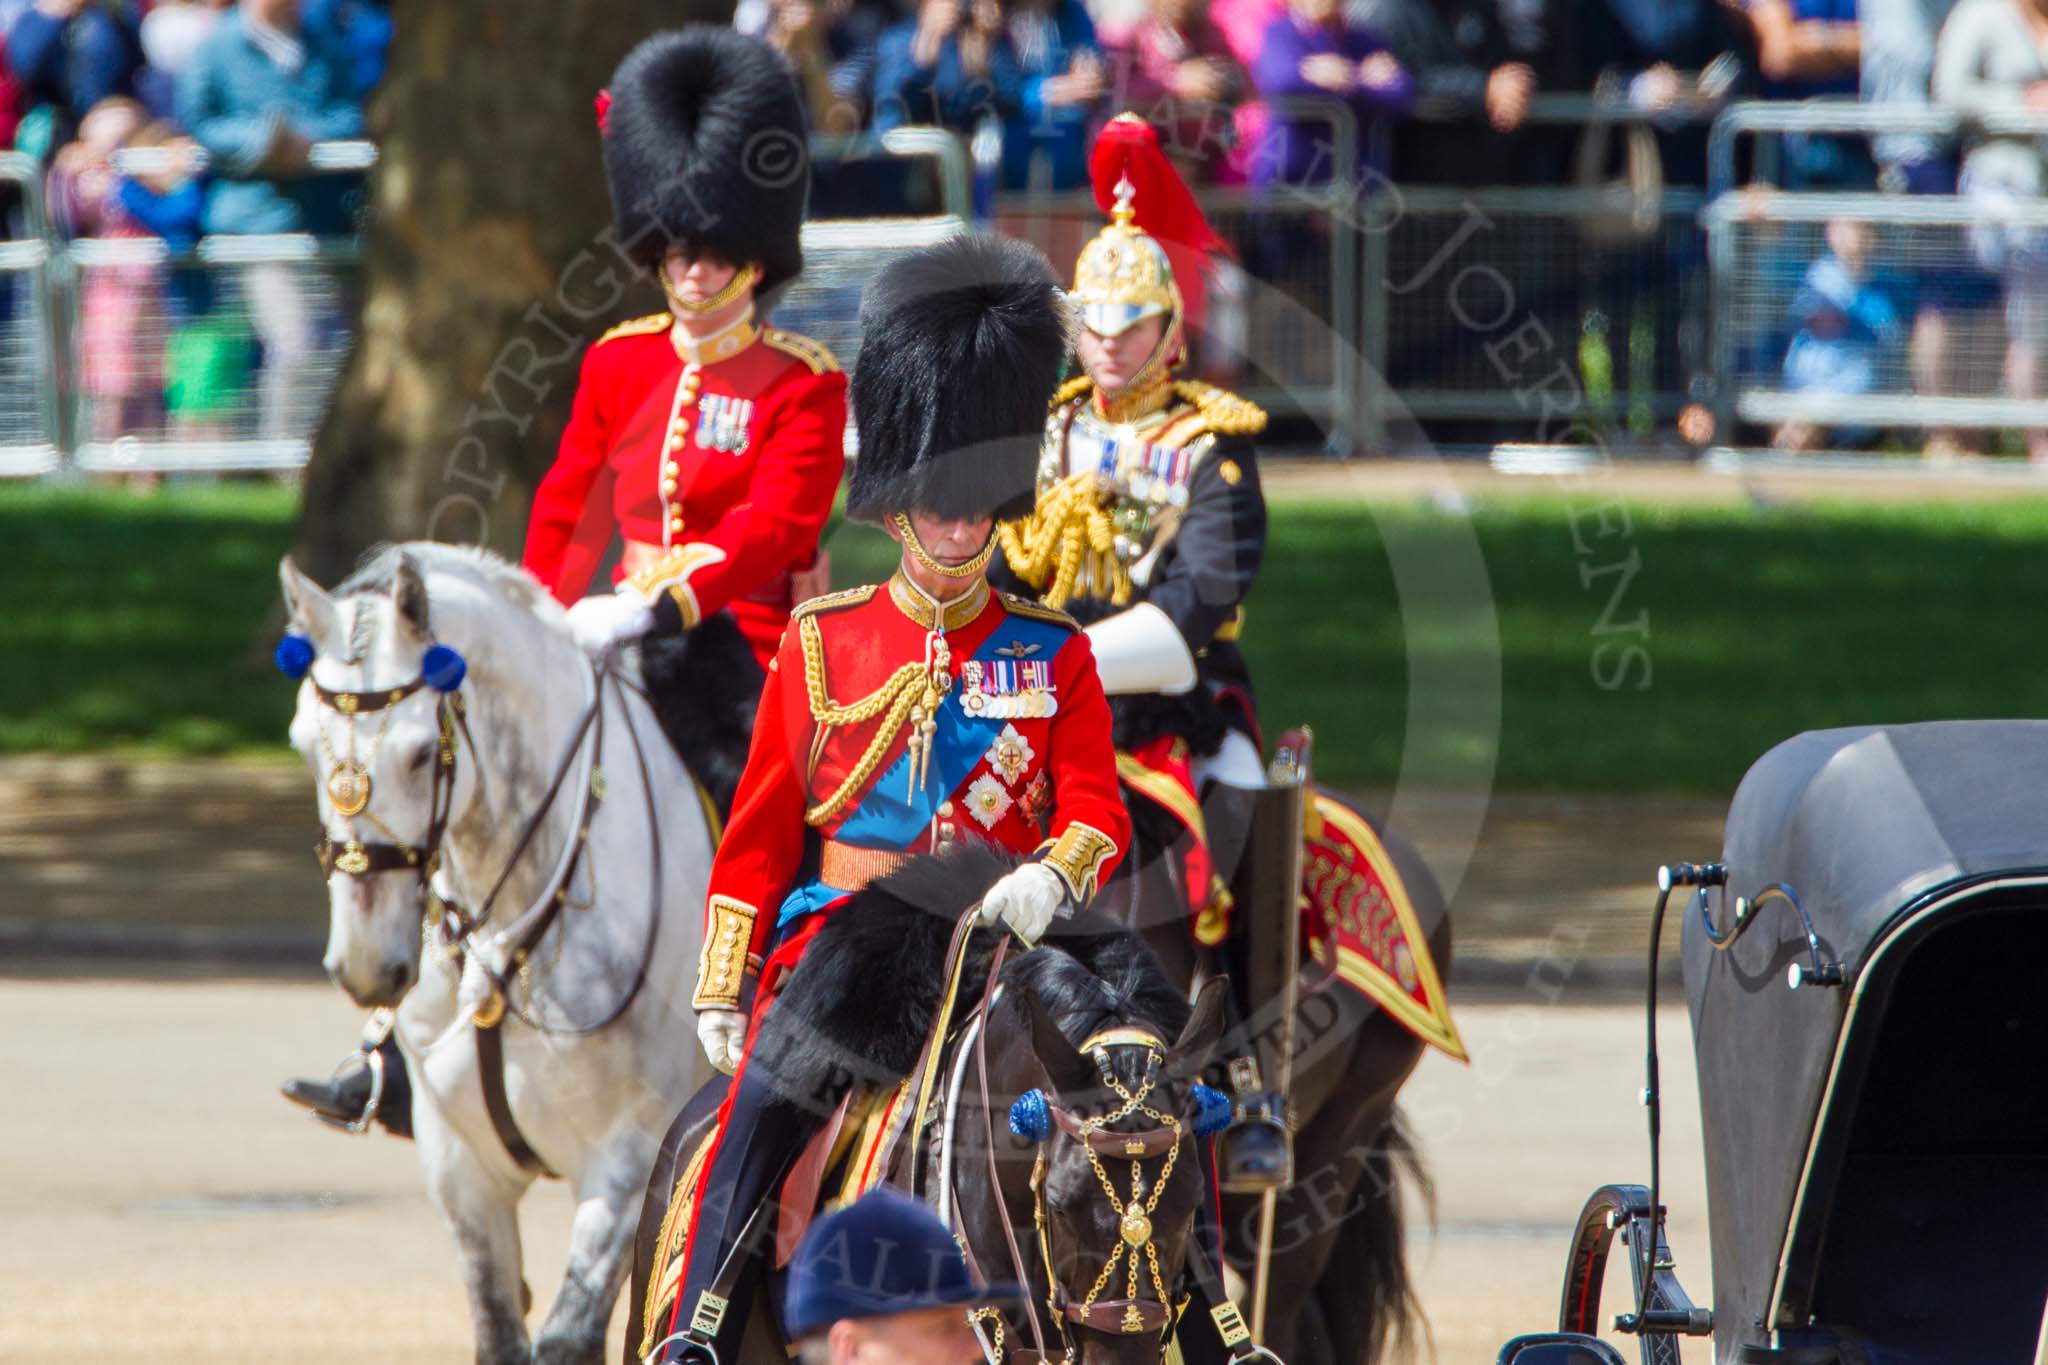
pixel 1133 268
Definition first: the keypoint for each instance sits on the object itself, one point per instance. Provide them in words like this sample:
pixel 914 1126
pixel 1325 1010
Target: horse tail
pixel 1369 1304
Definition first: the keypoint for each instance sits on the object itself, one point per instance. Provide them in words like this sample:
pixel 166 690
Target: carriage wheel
pixel 1668 1313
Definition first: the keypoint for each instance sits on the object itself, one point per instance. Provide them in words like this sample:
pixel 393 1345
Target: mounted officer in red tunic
pixel 1150 526
pixel 710 445
pixel 904 717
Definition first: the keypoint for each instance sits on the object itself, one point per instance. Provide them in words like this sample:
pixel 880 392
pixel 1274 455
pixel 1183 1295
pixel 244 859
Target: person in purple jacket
pixel 1308 50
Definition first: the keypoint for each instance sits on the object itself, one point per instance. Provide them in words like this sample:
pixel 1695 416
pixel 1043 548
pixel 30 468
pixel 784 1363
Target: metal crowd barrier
pixel 1855 313
pixel 1982 272
pixel 213 359
pixel 841 254
pixel 119 355
pixel 222 358
pixel 29 436
pixel 1600 282
pixel 840 257
pixel 1752 118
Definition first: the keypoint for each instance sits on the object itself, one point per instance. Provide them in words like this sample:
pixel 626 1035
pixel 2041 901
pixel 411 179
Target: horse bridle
pixel 363 857
pixel 443 670
pixel 1034 1116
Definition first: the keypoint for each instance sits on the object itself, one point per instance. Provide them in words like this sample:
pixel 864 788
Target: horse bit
pixel 1034 1116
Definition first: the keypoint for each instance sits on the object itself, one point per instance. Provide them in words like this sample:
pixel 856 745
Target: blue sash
pixel 889 815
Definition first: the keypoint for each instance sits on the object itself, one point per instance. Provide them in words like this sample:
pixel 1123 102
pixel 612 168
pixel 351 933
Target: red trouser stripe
pixel 774 973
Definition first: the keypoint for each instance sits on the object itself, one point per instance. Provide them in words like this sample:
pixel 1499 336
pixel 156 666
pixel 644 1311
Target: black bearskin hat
pixel 961 349
pixel 704 143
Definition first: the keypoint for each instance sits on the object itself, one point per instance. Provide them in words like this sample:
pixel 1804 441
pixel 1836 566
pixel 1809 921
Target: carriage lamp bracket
pixel 1654 1279
pixel 1819 970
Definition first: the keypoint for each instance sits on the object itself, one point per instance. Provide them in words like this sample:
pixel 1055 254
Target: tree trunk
pixel 487 269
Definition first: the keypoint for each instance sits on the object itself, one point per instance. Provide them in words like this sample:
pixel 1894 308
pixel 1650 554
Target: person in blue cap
pixel 880 1282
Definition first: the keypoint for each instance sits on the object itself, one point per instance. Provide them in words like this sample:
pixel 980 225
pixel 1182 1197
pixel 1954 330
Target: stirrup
pixel 692 1348
pixel 1260 1124
pixel 374 1060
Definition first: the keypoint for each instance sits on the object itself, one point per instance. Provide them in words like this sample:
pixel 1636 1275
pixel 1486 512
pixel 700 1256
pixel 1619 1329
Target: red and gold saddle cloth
pixel 1354 906
pixel 1355 910
pixel 856 1144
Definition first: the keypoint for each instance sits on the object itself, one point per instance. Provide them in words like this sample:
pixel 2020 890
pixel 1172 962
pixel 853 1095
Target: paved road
pixel 160 1202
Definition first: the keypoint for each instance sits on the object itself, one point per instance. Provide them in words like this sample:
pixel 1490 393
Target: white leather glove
pixel 1026 899
pixel 1141 650
pixel 723 1033
pixel 598 623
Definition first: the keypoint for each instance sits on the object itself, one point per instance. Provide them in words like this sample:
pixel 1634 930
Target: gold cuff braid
pixel 1079 855
pixel 671 574
pixel 723 966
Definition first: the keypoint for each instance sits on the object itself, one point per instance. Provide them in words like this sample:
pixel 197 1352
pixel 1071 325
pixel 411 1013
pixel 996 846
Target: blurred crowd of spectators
pixel 230 95
pixel 227 98
pixel 1442 89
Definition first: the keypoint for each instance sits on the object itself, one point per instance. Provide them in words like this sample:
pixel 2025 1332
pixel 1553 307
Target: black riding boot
pixel 369 1084
pixel 764 1131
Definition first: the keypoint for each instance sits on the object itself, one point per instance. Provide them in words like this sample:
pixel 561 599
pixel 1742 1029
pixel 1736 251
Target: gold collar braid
pixel 1072 529
pixel 923 556
pixel 921 607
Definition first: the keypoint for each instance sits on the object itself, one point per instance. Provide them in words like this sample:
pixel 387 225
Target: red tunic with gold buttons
pixel 717 460
pixel 1016 752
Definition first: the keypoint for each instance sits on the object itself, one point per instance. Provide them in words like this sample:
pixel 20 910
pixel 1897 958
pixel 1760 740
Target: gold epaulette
pixel 1038 611
pixel 813 353
pixel 639 327
pixel 1223 412
pixel 1072 389
pixel 834 601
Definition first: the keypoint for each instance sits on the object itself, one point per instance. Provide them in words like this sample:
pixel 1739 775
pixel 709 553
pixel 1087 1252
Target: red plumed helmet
pixel 1113 282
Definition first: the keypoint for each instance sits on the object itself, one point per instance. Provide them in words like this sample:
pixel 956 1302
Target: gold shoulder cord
pixel 1226 413
pixel 1024 606
pixel 637 327
pixel 811 352
pixel 1070 528
pixel 894 697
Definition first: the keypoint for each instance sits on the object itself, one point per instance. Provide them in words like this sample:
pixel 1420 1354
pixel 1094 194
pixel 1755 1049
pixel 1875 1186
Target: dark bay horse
pixel 1340 1293
pixel 1090 1022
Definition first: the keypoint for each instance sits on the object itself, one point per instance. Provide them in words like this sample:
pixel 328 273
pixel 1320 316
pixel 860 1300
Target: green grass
pixel 145 623
pixel 1759 624
pixel 142 622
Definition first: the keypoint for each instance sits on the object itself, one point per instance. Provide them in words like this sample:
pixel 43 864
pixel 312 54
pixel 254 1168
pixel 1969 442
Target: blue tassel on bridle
pixel 1031 1116
pixel 294 656
pixel 1212 1110
pixel 441 668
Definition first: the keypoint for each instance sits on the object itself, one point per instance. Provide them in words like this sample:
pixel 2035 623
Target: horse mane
pixel 483 568
pixel 1093 975
pixel 490 575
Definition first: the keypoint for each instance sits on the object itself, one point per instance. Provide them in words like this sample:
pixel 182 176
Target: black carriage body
pixel 1877 1152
